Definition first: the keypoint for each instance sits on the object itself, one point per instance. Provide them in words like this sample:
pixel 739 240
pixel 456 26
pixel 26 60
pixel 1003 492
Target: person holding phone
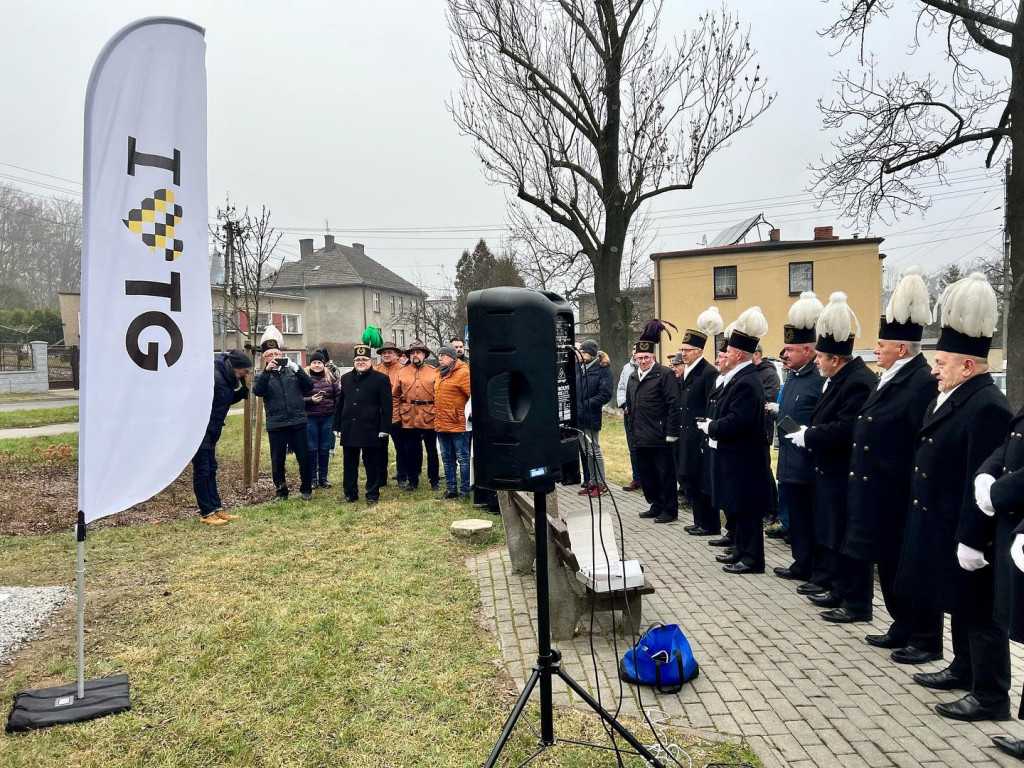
pixel 320 414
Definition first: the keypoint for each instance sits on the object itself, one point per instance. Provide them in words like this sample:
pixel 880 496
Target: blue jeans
pixel 319 441
pixel 455 448
pixel 204 481
pixel 784 491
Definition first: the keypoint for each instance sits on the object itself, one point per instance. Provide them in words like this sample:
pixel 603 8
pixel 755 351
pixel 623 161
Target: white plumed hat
pixel 969 312
pixel 837 326
pixel 908 310
pixel 748 329
pixel 803 317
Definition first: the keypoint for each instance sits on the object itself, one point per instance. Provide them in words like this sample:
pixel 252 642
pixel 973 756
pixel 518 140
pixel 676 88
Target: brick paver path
pixel 802 692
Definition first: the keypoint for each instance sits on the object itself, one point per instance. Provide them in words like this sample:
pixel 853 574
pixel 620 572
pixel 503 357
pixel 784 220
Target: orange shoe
pixel 212 519
pixel 226 517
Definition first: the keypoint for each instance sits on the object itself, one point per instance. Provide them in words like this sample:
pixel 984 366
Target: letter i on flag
pixel 146 336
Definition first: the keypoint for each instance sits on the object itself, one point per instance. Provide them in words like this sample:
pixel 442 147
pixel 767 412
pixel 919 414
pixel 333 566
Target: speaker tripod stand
pixel 548 662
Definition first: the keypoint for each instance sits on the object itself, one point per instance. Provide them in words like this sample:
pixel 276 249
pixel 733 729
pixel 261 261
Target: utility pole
pixel 1006 265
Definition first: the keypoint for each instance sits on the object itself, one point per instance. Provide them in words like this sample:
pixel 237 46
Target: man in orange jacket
pixel 414 391
pixel 451 395
pixel 390 367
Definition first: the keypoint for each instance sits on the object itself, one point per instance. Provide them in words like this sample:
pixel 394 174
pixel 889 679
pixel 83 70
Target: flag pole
pixel 80 537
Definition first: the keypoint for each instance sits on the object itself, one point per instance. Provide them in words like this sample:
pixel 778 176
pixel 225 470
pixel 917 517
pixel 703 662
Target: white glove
pixel 1017 551
pixel 338 435
pixel 970 559
pixel 983 493
pixel 772 408
pixel 798 438
pixel 293 365
pixel 704 426
pixel 671 438
pixel 382 434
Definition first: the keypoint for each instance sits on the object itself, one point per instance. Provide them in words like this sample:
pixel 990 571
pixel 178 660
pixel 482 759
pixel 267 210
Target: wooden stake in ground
pixel 247 446
pixel 257 442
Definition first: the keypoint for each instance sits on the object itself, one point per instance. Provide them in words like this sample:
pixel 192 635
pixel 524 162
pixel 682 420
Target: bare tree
pixel 587 115
pixel 900 129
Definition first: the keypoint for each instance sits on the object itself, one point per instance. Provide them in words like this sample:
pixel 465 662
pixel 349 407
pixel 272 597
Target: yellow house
pixel 770 274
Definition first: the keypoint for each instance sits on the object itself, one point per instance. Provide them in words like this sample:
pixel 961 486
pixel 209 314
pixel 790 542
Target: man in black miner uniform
pixel 707 480
pixel 830 438
pixel 949 541
pixel 771 383
pixel 999 492
pixel 795 471
pixel 882 464
pixel 362 420
pixel 652 397
pixel 695 387
pixel 735 430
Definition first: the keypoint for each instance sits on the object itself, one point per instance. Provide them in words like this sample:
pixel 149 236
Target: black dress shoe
pixel 843 615
pixel 695 530
pixel 727 559
pixel 351 499
pixel 970 710
pixel 706 532
pixel 884 641
pixel 825 600
pixel 325 484
pixel 663 518
pixel 810 588
pixel 1012 747
pixel 741 568
pixel 649 514
pixel 689 528
pixel 725 541
pixel 943 680
pixel 786 573
pixel 776 533
pixel 912 655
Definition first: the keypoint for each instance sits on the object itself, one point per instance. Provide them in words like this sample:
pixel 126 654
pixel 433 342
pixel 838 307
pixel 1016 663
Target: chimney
pixel 774 235
pixel 359 248
pixel 824 233
pixel 305 247
pixel 329 242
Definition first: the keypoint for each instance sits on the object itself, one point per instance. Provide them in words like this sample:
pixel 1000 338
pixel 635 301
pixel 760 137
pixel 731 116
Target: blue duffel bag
pixel 662 657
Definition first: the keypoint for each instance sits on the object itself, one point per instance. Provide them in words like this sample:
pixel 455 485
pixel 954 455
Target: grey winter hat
pixel 238 359
pixel 590 347
pixel 447 349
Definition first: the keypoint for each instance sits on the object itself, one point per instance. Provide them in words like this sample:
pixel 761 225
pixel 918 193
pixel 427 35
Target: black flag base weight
pixel 61 705
pixel 548 665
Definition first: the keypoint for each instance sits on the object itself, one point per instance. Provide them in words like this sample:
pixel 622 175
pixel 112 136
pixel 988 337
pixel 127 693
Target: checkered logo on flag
pixel 155 219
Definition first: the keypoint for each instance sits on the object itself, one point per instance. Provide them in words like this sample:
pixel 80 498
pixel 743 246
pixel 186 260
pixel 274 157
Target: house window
pixel 392 304
pixel 401 302
pixel 801 277
pixel 394 336
pixel 376 302
pixel 414 307
pixel 291 324
pixel 296 356
pixel 263 319
pixel 725 282
pixel 403 339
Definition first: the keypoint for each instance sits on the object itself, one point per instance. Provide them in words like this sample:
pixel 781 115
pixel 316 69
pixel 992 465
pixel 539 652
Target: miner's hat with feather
pixel 838 326
pixel 803 319
pixel 748 329
pixel 271 338
pixel 909 309
pixel 969 312
pixel 651 335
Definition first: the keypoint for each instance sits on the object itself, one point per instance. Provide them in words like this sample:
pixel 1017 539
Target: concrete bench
pixel 570 599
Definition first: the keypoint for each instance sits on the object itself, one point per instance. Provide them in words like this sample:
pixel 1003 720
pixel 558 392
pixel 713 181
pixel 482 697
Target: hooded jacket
pixel 593 391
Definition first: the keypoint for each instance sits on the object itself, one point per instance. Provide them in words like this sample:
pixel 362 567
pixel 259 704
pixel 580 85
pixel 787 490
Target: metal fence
pixel 62 366
pixel 15 357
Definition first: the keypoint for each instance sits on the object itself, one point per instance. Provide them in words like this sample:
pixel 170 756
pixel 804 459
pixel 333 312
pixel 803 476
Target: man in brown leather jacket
pixel 414 391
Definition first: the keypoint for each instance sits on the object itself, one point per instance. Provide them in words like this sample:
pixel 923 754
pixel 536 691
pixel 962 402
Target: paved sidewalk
pixel 802 692
pixel 54 399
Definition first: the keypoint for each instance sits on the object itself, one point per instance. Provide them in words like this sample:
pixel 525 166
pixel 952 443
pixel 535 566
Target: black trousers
pixel 414 442
pixel 748 536
pixel 705 515
pixel 350 477
pixel 915 625
pixel 689 489
pixel 657 471
pixel 854 583
pixel 280 441
pixel 981 657
pixel 808 559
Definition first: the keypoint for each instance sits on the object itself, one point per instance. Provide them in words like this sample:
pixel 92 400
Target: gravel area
pixel 24 611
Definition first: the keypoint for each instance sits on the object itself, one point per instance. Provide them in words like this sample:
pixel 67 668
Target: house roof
pixel 769 245
pixel 341 265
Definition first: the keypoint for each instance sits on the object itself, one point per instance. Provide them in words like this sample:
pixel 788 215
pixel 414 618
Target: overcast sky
pixel 333 113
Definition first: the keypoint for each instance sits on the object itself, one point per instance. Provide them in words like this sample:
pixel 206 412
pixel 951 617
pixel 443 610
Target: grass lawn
pixel 304 634
pixel 38 417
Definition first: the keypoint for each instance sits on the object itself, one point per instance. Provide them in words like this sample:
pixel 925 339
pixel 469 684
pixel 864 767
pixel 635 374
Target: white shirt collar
pixel 944 396
pixel 892 371
pixel 688 368
pixel 641 373
pixel 729 376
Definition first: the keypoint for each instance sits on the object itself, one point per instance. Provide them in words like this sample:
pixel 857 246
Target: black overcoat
pixel 363 409
pixel 694 391
pixel 1006 465
pixel 653 407
pixel 884 436
pixel 830 440
pixel 227 390
pixel 772 384
pixel 953 443
pixel 738 470
pixel 800 396
pixel 706 481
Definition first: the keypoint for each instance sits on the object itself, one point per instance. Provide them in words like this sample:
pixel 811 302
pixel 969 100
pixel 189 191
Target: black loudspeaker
pixel 523 384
